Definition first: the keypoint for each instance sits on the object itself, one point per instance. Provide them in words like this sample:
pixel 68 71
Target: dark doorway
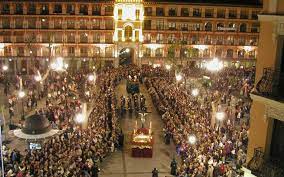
pixel 277 143
pixel 126 56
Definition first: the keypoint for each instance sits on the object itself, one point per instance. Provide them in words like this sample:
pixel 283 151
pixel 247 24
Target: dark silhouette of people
pixel 155 172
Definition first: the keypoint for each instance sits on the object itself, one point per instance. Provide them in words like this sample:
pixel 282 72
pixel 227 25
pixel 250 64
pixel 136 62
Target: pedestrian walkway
pixel 121 164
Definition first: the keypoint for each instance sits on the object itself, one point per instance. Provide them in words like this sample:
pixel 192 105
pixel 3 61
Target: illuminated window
pixel 160 24
pixel 70 9
pixel 184 12
pixel 119 13
pixel 44 9
pixel 137 12
pixel 147 52
pixel 159 52
pixel 128 33
pixel 230 53
pixel 172 26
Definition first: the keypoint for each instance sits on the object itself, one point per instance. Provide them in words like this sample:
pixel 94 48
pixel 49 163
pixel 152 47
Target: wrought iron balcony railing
pixel 271 84
pixel 265 167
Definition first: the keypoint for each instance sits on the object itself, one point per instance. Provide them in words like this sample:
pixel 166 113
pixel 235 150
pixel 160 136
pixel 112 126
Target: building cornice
pixel 273 108
pixel 270 17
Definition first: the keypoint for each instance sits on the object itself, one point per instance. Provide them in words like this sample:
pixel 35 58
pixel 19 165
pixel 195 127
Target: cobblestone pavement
pixel 121 164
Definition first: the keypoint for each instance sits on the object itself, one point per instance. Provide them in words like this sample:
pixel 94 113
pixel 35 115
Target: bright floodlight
pixel 168 67
pixel 214 65
pixel 178 77
pixel 195 92
pixel 58 64
pixel 66 66
pixel 127 50
pixel 79 118
pixel 192 139
pixel 38 78
pixel 91 77
pixel 5 67
pixel 220 116
pixel 21 94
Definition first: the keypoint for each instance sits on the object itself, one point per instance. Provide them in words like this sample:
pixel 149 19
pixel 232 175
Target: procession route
pixel 121 164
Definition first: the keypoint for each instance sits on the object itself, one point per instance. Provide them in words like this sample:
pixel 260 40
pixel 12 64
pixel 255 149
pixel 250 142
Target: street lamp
pixel 178 77
pixel 5 67
pixel 195 92
pixel 214 65
pixel 21 95
pixel 192 139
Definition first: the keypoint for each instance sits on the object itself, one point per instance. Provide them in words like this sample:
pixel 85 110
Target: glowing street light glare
pixel 195 92
pixel 38 78
pixel 214 65
pixel 91 77
pixel 21 94
pixel 192 139
pixel 58 64
pixel 220 116
pixel 66 66
pixel 127 50
pixel 168 67
pixel 79 118
pixel 5 67
pixel 178 77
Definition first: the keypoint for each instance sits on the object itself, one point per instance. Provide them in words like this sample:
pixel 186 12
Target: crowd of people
pixel 220 147
pixel 75 151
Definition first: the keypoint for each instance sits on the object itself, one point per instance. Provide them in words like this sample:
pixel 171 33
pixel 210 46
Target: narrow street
pixel 121 164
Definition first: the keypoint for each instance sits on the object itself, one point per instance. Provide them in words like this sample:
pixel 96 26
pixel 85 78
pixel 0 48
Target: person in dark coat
pixel 174 167
pixel 95 171
pixel 155 172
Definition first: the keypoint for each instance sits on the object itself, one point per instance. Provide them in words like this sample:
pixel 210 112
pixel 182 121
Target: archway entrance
pixel 126 56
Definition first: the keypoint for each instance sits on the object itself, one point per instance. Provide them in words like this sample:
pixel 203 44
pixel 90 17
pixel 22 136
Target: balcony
pixel 271 85
pixel 261 167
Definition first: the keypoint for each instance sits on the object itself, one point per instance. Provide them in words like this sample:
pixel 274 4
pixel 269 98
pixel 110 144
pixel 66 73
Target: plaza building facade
pixel 266 134
pixel 86 33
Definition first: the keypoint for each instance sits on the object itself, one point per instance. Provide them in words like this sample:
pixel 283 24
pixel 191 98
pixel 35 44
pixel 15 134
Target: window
pixel 96 24
pixel 184 27
pixel 184 39
pixel 96 37
pixel 219 40
pixel 244 14
pixel 83 9
pixel 159 52
pixel 71 51
pixel 160 11
pixel 147 37
pixel 251 54
pixel 172 26
pixel 241 53
pixel 160 24
pixel 209 13
pixel 119 12
pixel 230 53
pixel 21 51
pixel 208 26
pixel 147 52
pixel 96 51
pixel 196 12
pixel 44 10
pixel 44 23
pixel 184 12
pixel 5 23
pixel 71 37
pixel 19 23
pixel 6 9
pixel 220 13
pixel 243 28
pixel 254 15
pixel 70 9
pixel 232 27
pixel 208 39
pixel 232 13
pixel 108 38
pixel 255 28
pixel 83 23
pixel 108 52
pixel 109 24
pixel 218 53
pixel 242 40
pixel 172 12
pixel 58 37
pixel 109 10
pixel 96 10
pixel 171 39
pixel 148 11
pixel 196 27
pixel 84 37
pixel 159 38
pixel 253 40
pixel 206 53
pixel 70 24
pixel 220 27
pixel 137 13
pixel 19 9
pixel 147 24
pixel 128 31
pixel 57 23
pixel 57 9
pixel 31 9
pixel 230 40
pixel 31 23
